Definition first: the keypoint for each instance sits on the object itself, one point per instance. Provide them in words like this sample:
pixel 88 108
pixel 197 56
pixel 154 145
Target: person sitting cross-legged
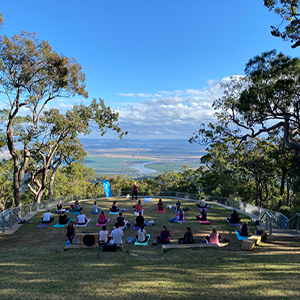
pixel 164 237
pixel 102 218
pixel 142 235
pixel 120 220
pixel 244 229
pixel 81 219
pixel 114 207
pixel 213 238
pixel 138 207
pixel 139 220
pixel 203 216
pixel 63 218
pixel 234 218
pixel 47 218
pixel 188 237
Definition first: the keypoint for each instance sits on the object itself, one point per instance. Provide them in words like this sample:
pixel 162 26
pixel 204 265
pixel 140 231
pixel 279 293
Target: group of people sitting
pixel 117 234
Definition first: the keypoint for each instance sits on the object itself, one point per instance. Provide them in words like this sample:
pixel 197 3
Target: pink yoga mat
pixel 160 211
pixel 100 225
pixel 204 222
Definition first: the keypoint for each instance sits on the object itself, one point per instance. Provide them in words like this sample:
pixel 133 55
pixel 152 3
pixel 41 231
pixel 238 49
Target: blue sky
pixel 159 63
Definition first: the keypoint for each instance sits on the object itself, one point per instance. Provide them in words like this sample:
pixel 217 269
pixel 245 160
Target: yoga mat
pixel 181 221
pixel 204 222
pixel 57 225
pixel 122 227
pixel 241 238
pixel 93 213
pixel 136 228
pixel 137 213
pixel 161 211
pixel 113 212
pixel 232 224
pixel 175 209
pixel 206 209
pixel 84 224
pixel 76 213
pixel 136 243
pixel 100 225
pixel 148 199
pixel 44 225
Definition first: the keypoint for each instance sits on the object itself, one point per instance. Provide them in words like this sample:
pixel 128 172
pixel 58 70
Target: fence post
pixel 3 223
pixel 10 220
pixel 298 221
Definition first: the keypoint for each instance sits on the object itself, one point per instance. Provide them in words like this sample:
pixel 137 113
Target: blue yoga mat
pixel 76 213
pixel 241 238
pixel 57 225
pixel 148 199
pixel 136 243
pixel 113 212
pixel 93 213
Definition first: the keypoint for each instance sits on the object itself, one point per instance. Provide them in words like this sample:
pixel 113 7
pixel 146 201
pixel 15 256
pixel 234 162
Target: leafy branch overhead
pixel 288 10
pixel 264 101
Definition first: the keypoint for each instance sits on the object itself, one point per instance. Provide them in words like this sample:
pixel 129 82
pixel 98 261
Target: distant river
pixel 141 167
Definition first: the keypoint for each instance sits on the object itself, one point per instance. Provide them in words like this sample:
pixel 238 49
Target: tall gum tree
pixel 31 75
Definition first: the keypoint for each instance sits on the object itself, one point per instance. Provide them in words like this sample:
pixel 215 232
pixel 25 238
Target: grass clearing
pixel 30 268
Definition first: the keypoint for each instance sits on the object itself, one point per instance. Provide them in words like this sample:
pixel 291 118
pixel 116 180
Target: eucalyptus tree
pixel 32 75
pixel 288 10
pixel 60 140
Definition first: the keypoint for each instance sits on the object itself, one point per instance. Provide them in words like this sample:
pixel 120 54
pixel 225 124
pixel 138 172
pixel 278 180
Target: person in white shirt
pixel 142 235
pixel 116 235
pixel 202 203
pixel 95 208
pixel 47 218
pixel 103 235
pixel 81 219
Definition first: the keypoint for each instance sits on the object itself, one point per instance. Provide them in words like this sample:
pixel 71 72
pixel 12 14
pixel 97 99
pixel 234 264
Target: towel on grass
pixel 137 213
pixel 100 225
pixel 232 224
pixel 161 211
pixel 136 243
pixel 241 238
pixel 204 222
pixel 44 225
pixel 87 222
pixel 148 199
pixel 57 225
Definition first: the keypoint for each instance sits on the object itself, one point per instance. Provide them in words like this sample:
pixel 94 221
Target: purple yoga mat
pixel 43 225
pixel 232 224
pixel 104 224
pixel 136 228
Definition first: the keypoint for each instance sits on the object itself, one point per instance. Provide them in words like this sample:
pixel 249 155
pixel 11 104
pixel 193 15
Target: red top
pixel 138 207
pixel 135 188
pixel 180 216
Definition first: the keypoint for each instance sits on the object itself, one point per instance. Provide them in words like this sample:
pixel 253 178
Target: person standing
pixel 134 190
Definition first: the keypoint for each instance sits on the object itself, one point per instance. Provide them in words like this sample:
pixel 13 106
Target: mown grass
pixel 31 269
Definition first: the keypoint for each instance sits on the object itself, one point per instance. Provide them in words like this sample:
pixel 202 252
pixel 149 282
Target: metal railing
pixel 11 216
pixel 296 219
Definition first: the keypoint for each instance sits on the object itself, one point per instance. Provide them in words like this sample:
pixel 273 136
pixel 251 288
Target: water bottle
pixel 68 243
pixel 154 241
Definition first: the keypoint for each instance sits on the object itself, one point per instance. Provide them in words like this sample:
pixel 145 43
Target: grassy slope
pixel 30 268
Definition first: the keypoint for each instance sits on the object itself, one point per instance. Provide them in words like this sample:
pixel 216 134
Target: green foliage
pixel 288 10
pixel 6 185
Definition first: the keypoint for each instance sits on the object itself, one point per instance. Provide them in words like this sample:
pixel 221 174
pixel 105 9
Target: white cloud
pixel 169 114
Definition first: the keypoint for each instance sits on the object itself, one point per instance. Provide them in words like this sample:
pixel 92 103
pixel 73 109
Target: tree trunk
pixel 282 182
pixel 256 192
pixel 288 185
pixel 52 177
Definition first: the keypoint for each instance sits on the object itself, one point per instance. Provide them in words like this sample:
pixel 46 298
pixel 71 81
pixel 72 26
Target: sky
pixel 158 63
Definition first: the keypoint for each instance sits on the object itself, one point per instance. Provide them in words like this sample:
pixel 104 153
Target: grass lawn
pixel 30 268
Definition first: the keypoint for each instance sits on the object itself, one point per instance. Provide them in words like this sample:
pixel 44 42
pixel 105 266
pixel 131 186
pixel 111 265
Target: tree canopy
pixel 288 10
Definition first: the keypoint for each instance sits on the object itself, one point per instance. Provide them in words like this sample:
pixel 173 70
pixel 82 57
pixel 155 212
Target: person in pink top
pixel 102 218
pixel 213 238
pixel 180 215
pixel 134 190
